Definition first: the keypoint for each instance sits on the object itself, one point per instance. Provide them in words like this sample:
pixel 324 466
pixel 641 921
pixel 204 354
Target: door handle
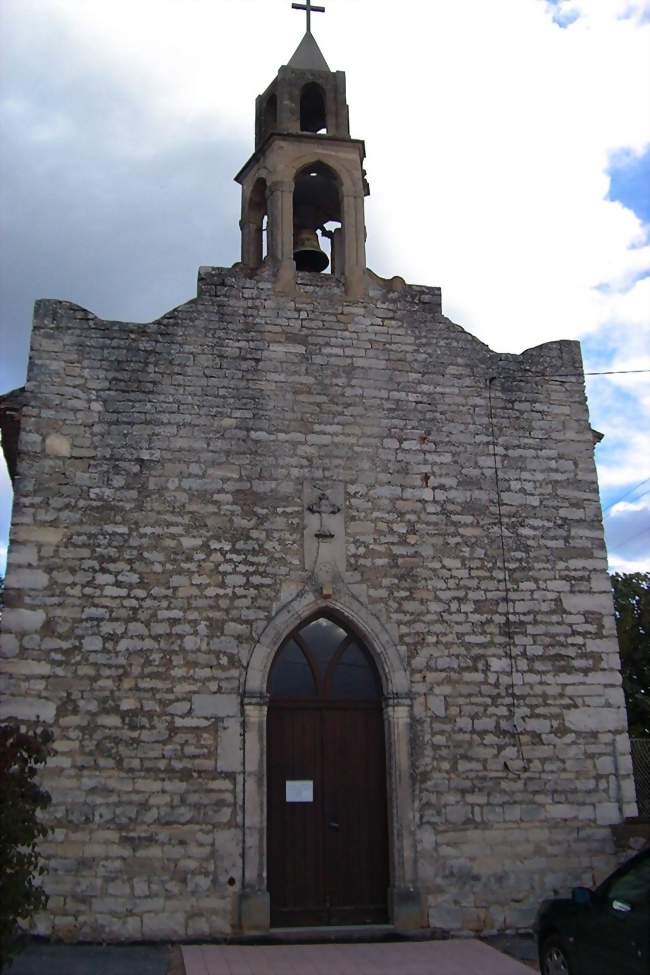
pixel 333 825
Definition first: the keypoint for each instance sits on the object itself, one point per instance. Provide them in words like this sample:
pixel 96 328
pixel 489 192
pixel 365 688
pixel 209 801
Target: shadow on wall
pixel 9 428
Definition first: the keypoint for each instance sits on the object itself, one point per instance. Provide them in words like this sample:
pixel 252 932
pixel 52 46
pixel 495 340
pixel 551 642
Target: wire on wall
pixel 506 587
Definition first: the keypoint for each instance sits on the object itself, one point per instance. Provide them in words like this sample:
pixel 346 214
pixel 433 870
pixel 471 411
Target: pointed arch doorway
pixel 327 830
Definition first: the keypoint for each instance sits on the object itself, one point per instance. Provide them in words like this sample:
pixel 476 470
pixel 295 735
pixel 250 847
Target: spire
pixel 308 56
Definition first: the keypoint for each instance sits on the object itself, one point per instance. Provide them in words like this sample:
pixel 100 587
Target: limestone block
pixel 130 928
pixel 92 644
pixel 23 554
pixel 407 908
pixel 22 620
pixel 595 719
pixel 437 705
pixel 18 578
pixel 539 725
pixel 179 708
pixel 215 705
pixel 229 746
pixel 28 668
pixel 56 445
pixel 27 709
pixel 42 534
pixel 198 927
pixel 254 911
pixel 608 813
pixel 587 603
pixel 163 926
pixel 446 916
pixel 8 645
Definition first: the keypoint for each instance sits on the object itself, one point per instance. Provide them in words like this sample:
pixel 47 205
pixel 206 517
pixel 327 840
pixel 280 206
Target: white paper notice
pixel 300 791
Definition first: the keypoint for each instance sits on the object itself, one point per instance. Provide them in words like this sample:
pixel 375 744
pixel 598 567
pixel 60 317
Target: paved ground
pixel 521 946
pixel 427 958
pixel 47 959
pixel 44 959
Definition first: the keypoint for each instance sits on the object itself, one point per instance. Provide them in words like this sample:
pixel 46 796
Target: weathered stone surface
pixel 179 537
pixel 27 709
pixel 8 644
pixel 215 705
pixel 56 445
pixel 22 620
pixel 596 719
pixel 26 579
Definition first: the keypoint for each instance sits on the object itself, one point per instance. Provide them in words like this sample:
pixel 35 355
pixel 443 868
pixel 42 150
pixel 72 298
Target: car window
pixel 634 886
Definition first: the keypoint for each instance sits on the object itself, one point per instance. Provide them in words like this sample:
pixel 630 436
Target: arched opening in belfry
pixel 270 114
pixel 256 220
pixel 313 112
pixel 317 215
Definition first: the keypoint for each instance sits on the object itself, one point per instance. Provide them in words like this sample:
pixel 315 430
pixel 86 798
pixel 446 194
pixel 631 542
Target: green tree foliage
pixel 632 608
pixel 21 798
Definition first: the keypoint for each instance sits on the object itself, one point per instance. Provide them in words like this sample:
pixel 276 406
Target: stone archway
pixel 405 900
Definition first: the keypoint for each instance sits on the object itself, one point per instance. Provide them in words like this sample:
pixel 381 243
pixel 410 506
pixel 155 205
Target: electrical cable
pixel 567 377
pixel 627 494
pixel 617 372
pixel 630 538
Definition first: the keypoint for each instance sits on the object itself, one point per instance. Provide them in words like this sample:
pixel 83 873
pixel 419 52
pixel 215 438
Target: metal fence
pixel 641 766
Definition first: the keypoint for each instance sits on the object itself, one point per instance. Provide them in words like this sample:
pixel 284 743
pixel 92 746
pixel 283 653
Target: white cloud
pixel 490 130
pixel 627 473
pixel 603 10
pixel 623 507
pixel 627 565
pixel 627 526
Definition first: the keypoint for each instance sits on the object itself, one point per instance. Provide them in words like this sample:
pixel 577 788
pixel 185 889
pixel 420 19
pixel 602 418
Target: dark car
pixel 605 931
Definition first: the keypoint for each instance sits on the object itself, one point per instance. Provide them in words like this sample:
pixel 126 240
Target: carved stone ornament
pixel 324 530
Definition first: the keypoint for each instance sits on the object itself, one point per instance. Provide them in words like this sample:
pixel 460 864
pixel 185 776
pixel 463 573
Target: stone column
pixel 338 255
pixel 280 229
pixel 255 907
pixel 252 250
pixel 405 898
pixel 354 231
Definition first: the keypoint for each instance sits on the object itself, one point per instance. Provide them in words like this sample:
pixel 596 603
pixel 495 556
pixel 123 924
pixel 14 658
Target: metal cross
pixel 309 7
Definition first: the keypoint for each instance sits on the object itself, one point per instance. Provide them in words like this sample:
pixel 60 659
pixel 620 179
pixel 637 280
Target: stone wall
pixel 158 529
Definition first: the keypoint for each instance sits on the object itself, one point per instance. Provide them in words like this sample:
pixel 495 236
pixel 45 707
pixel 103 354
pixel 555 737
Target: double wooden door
pixel 327 855
pixel 327 847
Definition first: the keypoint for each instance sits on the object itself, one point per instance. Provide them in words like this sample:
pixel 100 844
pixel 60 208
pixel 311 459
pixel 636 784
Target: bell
pixel 307 252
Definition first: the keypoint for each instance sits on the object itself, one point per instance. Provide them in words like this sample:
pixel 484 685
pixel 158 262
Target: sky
pixel 508 155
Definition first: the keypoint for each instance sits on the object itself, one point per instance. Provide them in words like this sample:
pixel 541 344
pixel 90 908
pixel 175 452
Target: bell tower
pixel 305 182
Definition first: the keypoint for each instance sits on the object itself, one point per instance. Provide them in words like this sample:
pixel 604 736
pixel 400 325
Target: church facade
pixel 311 586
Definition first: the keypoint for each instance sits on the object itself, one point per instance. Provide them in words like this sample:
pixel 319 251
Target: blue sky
pixel 508 156
pixel 627 524
pixel 630 183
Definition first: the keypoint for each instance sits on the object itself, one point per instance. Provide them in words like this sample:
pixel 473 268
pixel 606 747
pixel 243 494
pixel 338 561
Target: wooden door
pixel 327 828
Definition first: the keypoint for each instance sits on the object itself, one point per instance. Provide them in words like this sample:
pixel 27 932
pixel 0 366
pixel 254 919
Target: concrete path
pixel 424 958
pixel 45 959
